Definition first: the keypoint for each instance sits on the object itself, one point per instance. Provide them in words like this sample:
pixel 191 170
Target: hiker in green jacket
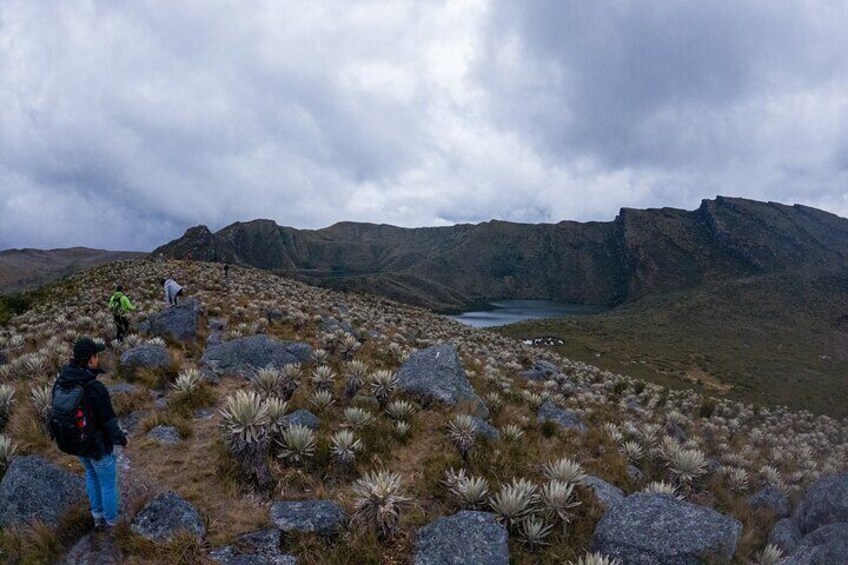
pixel 120 306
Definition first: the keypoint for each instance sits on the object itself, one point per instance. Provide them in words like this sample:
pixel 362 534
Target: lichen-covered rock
pixel 165 515
pixel 319 516
pixel 464 538
pixel 165 435
pixel 607 494
pixel 566 419
pixel 247 355
pixel 771 498
pixel 178 322
pixel 302 417
pixel 785 535
pixel 828 545
pixel 34 489
pixel 659 529
pixel 826 502
pixel 436 374
pixel 254 548
pixel 146 356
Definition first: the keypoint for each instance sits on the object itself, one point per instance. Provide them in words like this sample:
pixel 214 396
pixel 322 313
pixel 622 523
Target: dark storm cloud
pixel 125 123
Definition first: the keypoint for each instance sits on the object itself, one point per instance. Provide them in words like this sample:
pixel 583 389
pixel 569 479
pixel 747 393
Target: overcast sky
pixel 122 123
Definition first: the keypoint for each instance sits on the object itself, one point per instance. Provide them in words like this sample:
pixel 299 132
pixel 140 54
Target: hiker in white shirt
pixel 172 291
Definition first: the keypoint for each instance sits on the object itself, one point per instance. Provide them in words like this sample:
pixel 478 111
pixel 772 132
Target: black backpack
pixel 71 424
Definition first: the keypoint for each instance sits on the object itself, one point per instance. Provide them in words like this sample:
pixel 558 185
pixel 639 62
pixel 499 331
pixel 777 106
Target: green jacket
pixel 120 304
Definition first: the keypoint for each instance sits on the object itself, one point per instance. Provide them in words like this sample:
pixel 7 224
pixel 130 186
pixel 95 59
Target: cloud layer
pixel 122 124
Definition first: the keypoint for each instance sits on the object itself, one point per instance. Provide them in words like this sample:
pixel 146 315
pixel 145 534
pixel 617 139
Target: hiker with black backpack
pixel 84 424
pixel 120 306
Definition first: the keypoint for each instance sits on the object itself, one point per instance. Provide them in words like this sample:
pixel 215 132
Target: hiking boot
pixel 100 523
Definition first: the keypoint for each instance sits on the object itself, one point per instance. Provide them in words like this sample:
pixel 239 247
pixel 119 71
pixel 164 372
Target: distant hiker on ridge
pixel 172 291
pixel 120 306
pixel 226 271
pixel 83 423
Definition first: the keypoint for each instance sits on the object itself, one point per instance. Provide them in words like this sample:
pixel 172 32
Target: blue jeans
pixel 101 478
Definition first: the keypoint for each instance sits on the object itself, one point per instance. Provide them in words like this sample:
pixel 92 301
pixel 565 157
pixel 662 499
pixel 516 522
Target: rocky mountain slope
pixel 28 268
pixel 274 422
pixel 640 253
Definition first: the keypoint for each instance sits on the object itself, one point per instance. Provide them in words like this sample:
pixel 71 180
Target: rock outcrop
pixel 606 494
pixel 659 529
pixel 254 548
pixel 436 374
pixel 464 538
pixel 827 545
pixel 146 356
pixel 771 498
pixel 245 356
pixel 785 535
pixel 177 322
pixel 34 489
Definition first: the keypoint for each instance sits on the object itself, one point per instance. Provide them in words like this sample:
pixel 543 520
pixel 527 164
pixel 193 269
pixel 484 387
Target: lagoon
pixel 503 312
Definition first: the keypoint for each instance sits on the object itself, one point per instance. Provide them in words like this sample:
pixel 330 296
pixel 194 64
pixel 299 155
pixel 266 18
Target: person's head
pixel 86 353
pixel 119 288
pixel 161 281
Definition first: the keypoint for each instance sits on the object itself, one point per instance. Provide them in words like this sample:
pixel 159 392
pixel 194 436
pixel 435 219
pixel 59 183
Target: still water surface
pixel 511 311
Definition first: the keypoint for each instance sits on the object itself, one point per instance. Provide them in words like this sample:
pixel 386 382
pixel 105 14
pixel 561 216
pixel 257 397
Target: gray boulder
pixel 145 357
pixel 246 355
pixel 435 374
pixel 566 419
pixel 165 435
pixel 331 325
pixel 322 517
pixel 826 502
pixel 827 545
pixel 608 495
pixel 465 538
pixel 130 422
pixel 771 498
pixel 178 322
pixel 302 418
pixel 34 489
pixel 785 535
pixel 165 515
pixel 659 529
pixel 532 375
pixel 255 548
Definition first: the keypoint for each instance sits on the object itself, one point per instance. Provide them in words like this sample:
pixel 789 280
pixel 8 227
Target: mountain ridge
pixel 639 253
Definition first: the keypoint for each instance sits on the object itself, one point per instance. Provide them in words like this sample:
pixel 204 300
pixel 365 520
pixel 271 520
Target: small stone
pixel 635 474
pixel 130 422
pixel 485 429
pixel 302 418
pixel 121 388
pixel 565 419
pixel 204 413
pixel 165 435
pixel 323 517
pixel 608 495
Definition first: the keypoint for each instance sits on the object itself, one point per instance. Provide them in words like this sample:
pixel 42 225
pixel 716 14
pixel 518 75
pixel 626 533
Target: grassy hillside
pixel 628 421
pixel 779 339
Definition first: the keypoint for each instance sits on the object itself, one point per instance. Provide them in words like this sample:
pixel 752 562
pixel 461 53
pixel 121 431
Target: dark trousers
pixel 122 323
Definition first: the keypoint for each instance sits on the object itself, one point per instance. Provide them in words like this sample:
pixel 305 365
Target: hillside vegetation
pixel 774 339
pixel 415 460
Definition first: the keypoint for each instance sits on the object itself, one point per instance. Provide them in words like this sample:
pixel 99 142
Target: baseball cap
pixel 85 348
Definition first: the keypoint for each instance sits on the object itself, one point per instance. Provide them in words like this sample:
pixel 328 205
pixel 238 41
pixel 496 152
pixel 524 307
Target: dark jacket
pixel 100 405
